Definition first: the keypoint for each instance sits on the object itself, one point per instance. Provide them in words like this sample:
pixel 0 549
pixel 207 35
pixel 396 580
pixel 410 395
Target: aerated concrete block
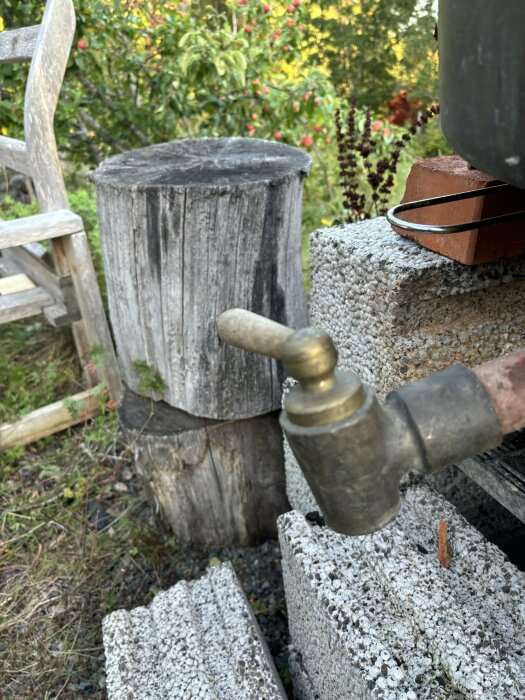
pixel 198 639
pixel 379 617
pixel 398 312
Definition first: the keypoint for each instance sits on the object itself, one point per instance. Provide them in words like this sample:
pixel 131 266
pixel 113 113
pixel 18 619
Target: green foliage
pixel 373 48
pixel 150 381
pixel 143 73
pixel 10 209
pixel 32 373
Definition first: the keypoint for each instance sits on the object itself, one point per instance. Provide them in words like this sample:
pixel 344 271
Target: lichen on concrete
pixel 196 640
pixel 378 616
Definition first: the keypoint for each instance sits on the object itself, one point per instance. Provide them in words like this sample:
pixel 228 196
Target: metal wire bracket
pixel 450 228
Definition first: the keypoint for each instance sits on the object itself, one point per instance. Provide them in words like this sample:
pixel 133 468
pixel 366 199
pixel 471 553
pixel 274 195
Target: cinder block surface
pixel 378 616
pixel 398 312
pixel 198 639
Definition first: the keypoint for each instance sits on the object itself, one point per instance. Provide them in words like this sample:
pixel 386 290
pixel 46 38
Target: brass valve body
pixel 353 451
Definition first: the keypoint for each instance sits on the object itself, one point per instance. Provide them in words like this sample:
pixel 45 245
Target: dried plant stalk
pixel 357 151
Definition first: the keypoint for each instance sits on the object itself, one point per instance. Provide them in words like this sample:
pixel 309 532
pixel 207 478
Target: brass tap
pixel 323 395
pixel 353 451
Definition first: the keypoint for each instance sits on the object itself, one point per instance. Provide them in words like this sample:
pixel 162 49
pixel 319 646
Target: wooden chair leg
pixel 91 308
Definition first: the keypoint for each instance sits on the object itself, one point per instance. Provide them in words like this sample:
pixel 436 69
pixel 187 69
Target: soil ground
pixel 78 540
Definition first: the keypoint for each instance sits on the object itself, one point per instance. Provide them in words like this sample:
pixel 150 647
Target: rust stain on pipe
pixel 504 380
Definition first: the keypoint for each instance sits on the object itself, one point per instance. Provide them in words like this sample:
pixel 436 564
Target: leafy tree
pixel 147 71
pixel 374 48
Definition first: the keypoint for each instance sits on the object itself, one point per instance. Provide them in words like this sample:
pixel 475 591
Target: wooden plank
pixel 501 472
pixel 39 227
pixel 8 266
pixel 15 283
pixel 92 309
pixel 91 376
pixel 40 252
pixel 42 92
pixel 14 307
pixel 13 154
pixel 18 45
pixel 37 270
pixel 57 315
pixel 49 420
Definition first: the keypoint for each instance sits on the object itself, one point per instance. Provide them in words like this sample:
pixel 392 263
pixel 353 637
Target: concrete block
pixel 378 616
pixel 398 312
pixel 199 639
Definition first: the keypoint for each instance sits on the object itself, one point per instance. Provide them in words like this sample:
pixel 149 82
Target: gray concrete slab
pixel 379 616
pixel 199 639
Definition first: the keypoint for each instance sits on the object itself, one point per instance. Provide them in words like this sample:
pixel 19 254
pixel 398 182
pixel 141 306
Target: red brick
pixel 449 174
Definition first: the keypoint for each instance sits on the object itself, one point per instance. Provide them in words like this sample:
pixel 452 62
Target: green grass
pixel 77 539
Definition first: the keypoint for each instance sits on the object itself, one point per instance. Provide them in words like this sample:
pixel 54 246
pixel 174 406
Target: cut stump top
pixel 204 162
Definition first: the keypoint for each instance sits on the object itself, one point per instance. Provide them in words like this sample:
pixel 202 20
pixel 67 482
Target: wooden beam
pixel 39 227
pixel 38 251
pixel 18 45
pixel 8 266
pixel 38 270
pixel 49 420
pixel 91 308
pixel 15 283
pixel 14 307
pixel 13 154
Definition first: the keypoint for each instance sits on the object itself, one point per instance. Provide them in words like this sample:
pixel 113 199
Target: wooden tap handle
pixel 252 332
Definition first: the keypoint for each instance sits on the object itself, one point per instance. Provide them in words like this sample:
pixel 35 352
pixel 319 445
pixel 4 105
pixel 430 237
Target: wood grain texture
pixel 58 316
pixel 13 154
pixel 38 157
pixel 44 81
pixel 15 283
pixel 49 420
pixel 190 229
pixel 40 272
pixel 18 45
pixel 211 482
pixel 14 307
pixel 40 227
pixel 91 309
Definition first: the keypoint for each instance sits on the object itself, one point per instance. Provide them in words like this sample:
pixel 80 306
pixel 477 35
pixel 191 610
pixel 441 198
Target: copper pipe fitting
pixel 504 380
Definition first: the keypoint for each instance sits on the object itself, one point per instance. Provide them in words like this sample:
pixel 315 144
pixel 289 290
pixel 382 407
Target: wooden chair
pixel 59 283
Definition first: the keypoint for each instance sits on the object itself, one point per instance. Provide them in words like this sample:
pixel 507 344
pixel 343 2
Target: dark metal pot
pixel 482 84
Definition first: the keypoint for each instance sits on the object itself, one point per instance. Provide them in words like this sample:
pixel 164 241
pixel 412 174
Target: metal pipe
pixel 504 381
pixel 353 451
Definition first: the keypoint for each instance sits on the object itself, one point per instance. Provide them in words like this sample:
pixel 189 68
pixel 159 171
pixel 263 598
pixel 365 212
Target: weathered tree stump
pixel 213 482
pixel 190 229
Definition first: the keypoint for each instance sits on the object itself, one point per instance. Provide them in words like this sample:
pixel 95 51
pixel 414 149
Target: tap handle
pixel 308 355
pixel 252 332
